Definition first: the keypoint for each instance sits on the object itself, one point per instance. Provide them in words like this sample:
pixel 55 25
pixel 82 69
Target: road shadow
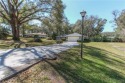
pixel 10 70
pixel 3 57
pixel 96 67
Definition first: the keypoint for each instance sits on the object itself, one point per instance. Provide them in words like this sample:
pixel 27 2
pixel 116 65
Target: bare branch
pixel 4 6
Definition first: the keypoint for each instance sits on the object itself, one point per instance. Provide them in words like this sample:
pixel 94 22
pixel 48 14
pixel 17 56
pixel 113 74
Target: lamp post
pixel 83 13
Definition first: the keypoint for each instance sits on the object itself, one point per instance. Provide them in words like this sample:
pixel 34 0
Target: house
pixel 61 37
pixel 41 35
pixel 74 37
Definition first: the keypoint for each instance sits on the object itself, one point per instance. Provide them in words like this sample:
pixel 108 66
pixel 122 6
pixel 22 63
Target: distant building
pixel 74 37
pixel 42 35
pixel 61 37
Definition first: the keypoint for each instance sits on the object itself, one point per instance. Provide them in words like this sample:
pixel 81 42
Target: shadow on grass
pixel 96 67
pixel 4 46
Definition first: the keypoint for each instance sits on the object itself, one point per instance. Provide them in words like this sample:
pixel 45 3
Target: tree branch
pixel 4 6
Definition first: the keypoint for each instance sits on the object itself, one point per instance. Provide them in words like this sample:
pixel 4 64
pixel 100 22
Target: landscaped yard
pixel 102 63
pixel 9 43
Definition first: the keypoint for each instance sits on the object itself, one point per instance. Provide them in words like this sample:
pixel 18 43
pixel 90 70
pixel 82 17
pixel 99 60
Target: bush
pixel 63 39
pixel 59 41
pixel 85 40
pixel 37 38
pixel 116 39
pixel 54 36
pixel 78 40
pixel 49 38
pixel 106 39
pixel 97 38
pixel 3 33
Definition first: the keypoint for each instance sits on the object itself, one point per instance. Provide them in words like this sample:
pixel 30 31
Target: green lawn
pixel 9 43
pixel 102 63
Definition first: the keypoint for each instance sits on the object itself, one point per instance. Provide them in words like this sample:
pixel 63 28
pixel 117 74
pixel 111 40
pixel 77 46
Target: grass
pixel 102 63
pixel 9 43
pixel 3 46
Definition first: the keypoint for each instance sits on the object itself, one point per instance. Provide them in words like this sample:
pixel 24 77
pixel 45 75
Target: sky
pixel 101 8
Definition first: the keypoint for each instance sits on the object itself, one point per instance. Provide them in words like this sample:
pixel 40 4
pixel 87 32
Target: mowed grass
pixel 9 43
pixel 102 63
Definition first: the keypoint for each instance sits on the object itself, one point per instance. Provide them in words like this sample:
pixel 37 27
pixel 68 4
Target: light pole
pixel 83 13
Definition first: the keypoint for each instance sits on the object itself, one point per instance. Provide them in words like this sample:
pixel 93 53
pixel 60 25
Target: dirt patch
pixel 40 73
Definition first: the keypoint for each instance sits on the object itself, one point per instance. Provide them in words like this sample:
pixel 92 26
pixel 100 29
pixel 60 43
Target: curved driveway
pixel 14 60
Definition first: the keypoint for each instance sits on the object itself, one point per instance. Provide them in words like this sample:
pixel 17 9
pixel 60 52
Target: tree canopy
pixel 17 12
pixel 57 23
pixel 119 23
pixel 93 25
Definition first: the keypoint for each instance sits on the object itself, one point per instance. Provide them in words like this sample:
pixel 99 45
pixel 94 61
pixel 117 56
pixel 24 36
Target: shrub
pixel 63 39
pixel 3 33
pixel 96 38
pixel 54 36
pixel 78 40
pixel 106 39
pixel 49 38
pixel 59 41
pixel 37 38
pixel 116 39
pixel 85 40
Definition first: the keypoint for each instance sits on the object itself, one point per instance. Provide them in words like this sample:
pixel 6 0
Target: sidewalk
pixel 14 60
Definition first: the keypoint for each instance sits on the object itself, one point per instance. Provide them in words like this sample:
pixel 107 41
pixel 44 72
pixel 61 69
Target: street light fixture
pixel 83 13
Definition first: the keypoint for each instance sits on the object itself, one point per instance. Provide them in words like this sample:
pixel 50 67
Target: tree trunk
pixel 23 32
pixel 15 33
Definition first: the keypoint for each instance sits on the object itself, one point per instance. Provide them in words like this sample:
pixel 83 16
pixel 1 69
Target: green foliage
pixel 18 12
pixel 63 39
pixel 96 38
pixel 49 38
pixel 111 37
pixel 54 36
pixel 78 40
pixel 93 26
pixel 85 40
pixel 37 38
pixel 106 39
pixel 59 41
pixel 119 24
pixel 117 39
pixel 58 22
pixel 3 33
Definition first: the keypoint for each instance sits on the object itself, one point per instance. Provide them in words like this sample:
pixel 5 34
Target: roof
pixel 64 35
pixel 36 34
pixel 74 34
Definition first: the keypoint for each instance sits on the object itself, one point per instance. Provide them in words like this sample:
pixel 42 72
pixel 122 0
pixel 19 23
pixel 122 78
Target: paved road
pixel 14 60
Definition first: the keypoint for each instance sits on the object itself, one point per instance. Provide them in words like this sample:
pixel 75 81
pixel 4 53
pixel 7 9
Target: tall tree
pixel 66 26
pixel 119 20
pixel 93 25
pixel 55 22
pixel 57 16
pixel 17 12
